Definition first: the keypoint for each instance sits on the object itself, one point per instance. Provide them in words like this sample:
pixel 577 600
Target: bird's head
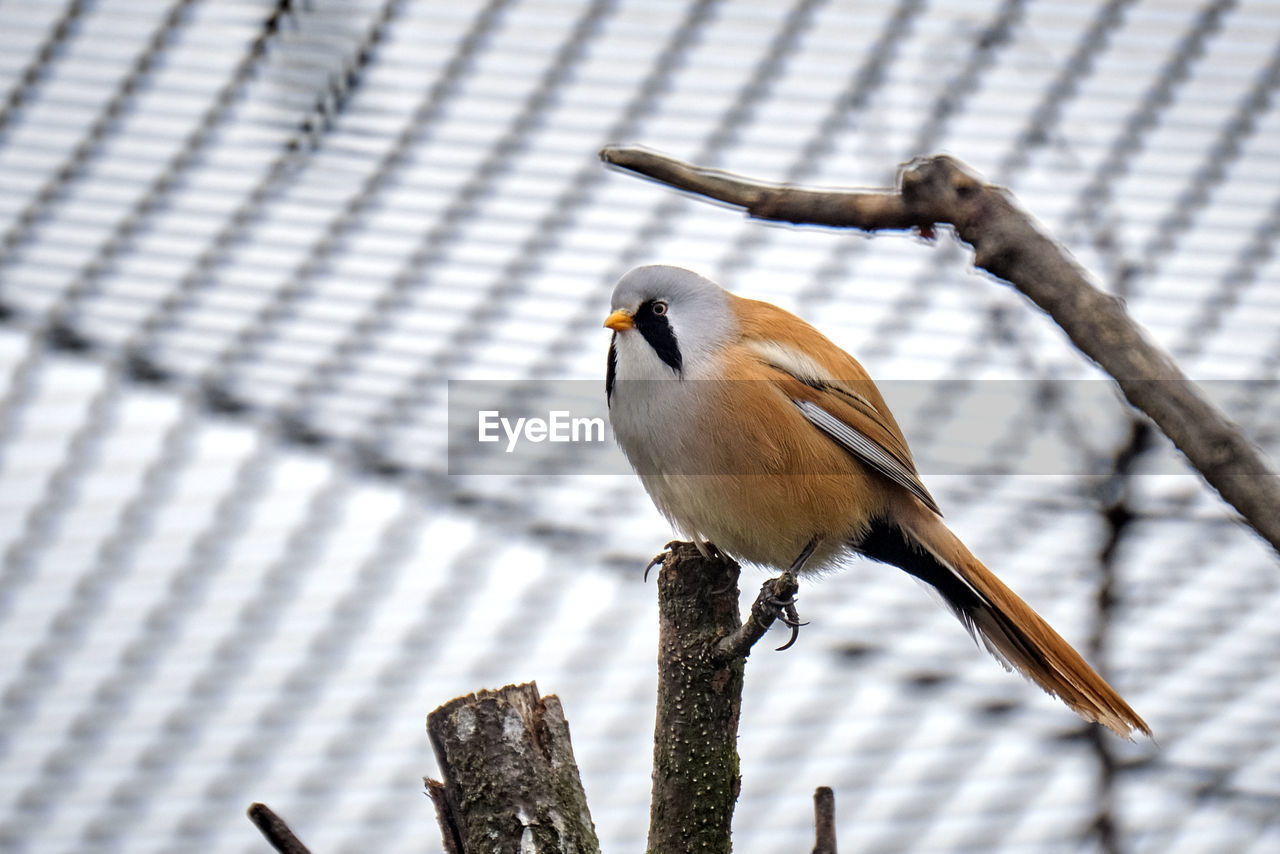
pixel 669 315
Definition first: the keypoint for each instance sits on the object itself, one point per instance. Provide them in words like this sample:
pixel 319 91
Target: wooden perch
pixel 695 741
pixel 511 783
pixel 702 650
pixel 1008 244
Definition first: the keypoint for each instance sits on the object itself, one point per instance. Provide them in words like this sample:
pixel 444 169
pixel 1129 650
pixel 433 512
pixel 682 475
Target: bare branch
pixel 869 210
pixel 275 831
pixel 824 821
pixel 1008 244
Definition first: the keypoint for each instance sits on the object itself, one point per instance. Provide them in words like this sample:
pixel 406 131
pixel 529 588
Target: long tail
pixel 1007 626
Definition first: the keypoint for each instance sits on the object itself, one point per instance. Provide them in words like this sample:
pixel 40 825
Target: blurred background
pixel 244 247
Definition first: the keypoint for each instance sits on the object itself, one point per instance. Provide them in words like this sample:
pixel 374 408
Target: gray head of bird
pixel 668 321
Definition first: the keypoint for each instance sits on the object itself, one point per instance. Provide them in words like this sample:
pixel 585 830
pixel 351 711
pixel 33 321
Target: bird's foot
pixel 782 599
pixel 706 549
pixel 776 602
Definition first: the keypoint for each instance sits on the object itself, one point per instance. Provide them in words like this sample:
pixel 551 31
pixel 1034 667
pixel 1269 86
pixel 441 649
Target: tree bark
pixel 1008 244
pixel 511 784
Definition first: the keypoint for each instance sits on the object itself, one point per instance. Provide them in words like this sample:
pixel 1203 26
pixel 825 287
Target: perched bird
pixel 753 432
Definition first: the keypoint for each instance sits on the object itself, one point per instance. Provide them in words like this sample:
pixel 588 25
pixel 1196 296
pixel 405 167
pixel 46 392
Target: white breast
pixel 654 418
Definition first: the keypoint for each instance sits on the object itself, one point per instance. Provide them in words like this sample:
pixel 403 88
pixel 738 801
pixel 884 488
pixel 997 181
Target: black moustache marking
pixel 657 330
pixel 611 368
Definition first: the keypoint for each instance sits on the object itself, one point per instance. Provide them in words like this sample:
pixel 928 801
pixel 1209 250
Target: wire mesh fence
pixel 246 247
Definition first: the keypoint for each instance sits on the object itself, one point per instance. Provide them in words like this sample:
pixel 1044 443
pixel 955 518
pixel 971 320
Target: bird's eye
pixel 659 308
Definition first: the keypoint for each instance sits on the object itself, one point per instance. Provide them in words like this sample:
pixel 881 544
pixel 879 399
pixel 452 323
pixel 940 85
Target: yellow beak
pixel 620 320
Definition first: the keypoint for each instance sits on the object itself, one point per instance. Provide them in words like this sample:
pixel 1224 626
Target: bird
pixel 754 434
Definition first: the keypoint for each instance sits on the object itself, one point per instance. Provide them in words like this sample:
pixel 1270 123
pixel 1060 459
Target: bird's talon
pixel 791 617
pixel 795 633
pixel 657 559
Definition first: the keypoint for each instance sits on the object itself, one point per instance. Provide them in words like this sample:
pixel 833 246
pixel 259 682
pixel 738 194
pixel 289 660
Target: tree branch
pixel 869 210
pixel 824 821
pixel 274 830
pixel 695 754
pixel 1008 244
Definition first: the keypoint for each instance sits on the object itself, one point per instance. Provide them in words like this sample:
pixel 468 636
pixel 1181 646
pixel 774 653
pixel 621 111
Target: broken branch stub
pixel 511 783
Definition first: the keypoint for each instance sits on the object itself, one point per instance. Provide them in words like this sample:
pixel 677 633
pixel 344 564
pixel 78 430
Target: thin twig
pixel 275 830
pixel 1008 244
pixel 824 821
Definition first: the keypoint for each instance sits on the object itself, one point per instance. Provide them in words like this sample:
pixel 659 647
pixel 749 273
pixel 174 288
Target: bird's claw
pixel 795 635
pixel 657 559
pixel 791 618
pixel 660 557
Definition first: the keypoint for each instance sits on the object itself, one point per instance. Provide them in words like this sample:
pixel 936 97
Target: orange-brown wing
pixel 831 390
